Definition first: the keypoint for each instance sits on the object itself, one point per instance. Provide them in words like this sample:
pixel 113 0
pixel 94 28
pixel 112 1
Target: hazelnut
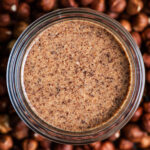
pixel 140 22
pixel 99 5
pixel 112 14
pixel 6 142
pixel 148 80
pixel 4 20
pixel 144 142
pixel 11 44
pixel 126 24
pixel 3 64
pixel 146 105
pixel 46 5
pixel 146 122
pixel 115 136
pixel 38 137
pixel 146 58
pixel 20 131
pixel 10 5
pixel 86 2
pixel 117 6
pixel 4 124
pixel 3 89
pixel 133 133
pixel 29 144
pixel 5 34
pixel 95 145
pixel 137 38
pixel 78 148
pixel 69 3
pixel 19 28
pixel 137 114
pixel 125 144
pixel 45 144
pixel 146 34
pixel 23 10
pixel 4 103
pixel 134 6
pixel 107 145
pixel 86 147
pixel 63 147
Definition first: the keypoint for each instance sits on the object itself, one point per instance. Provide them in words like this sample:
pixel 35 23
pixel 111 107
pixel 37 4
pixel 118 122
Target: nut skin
pixel 145 142
pixel 4 20
pixel 146 58
pixel 5 34
pixel 29 144
pixel 86 147
pixel 126 24
pixel 146 105
pixel 146 34
pixel 46 5
pixel 45 144
pixel 10 5
pixel 134 6
pixel 99 5
pixel 23 10
pixel 137 114
pixel 3 89
pixel 133 133
pixel 146 122
pixel 95 145
pixel 112 14
pixel 63 147
pixel 6 142
pixel 4 102
pixel 86 2
pixel 20 131
pixel 107 145
pixel 140 21
pixel 69 3
pixel 136 36
pixel 117 6
pixel 114 136
pixel 125 144
pixel 38 137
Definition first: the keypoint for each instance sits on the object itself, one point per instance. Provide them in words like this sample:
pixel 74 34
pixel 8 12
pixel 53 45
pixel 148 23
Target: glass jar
pixel 18 99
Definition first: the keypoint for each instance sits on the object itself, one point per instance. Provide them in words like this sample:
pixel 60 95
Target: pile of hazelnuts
pixel 16 15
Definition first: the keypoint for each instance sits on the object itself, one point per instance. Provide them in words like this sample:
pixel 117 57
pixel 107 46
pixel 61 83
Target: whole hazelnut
pixel 112 14
pixel 23 10
pixel 99 5
pixel 69 3
pixel 107 145
pixel 5 34
pixel 46 5
pixel 3 64
pixel 3 89
pixel 126 24
pixel 133 133
pixel 45 144
pixel 63 147
pixel 95 145
pixel 146 58
pixel 134 6
pixel 146 34
pixel 125 144
pixel 6 142
pixel 136 36
pixel 10 5
pixel 117 6
pixel 29 144
pixel 4 20
pixel 137 114
pixel 20 131
pixel 146 105
pixel 4 124
pixel 140 22
pixel 146 122
pixel 115 136
pixel 144 142
pixel 86 147
pixel 86 2
pixel 4 101
pixel 19 28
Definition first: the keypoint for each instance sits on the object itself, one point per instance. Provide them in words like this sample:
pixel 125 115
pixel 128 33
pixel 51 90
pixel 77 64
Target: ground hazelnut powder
pixel 75 75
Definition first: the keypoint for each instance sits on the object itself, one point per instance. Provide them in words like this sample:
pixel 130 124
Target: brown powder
pixel 75 75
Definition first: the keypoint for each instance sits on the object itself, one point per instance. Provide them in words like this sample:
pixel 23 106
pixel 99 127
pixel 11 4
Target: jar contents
pixel 76 75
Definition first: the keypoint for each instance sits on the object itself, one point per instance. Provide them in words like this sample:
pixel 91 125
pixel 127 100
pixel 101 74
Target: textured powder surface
pixel 76 75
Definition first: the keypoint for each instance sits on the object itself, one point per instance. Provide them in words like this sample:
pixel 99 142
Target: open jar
pixel 19 100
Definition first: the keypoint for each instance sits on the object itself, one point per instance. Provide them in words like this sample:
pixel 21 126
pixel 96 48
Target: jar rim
pixel 15 92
